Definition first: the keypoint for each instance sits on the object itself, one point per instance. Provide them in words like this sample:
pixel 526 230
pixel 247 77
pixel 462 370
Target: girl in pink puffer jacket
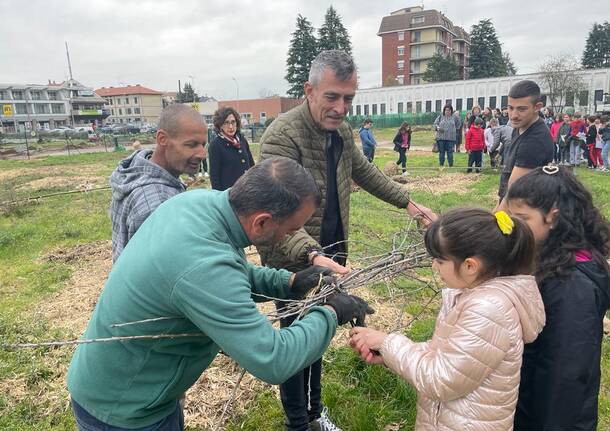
pixel 467 375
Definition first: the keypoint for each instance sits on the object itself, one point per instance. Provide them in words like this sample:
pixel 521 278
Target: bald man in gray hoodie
pixel 147 178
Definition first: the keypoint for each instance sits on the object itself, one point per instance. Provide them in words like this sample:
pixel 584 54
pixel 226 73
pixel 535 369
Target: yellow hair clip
pixel 505 223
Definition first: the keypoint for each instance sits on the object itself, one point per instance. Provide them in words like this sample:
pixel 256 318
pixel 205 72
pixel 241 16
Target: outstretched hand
pixel 366 342
pixel 422 214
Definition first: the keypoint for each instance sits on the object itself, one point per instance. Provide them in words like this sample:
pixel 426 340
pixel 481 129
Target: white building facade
pixel 463 95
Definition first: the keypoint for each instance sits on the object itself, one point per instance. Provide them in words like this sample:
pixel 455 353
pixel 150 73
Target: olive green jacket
pixel 295 135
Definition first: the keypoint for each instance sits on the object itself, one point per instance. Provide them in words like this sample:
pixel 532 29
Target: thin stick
pixel 97 340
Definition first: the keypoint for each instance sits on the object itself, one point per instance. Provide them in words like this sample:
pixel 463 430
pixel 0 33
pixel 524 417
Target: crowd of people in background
pixel 579 139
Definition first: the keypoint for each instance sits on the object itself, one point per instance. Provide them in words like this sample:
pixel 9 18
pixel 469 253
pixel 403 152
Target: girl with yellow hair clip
pixel 467 375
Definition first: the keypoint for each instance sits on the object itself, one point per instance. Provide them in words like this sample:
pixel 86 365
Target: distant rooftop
pixel 124 91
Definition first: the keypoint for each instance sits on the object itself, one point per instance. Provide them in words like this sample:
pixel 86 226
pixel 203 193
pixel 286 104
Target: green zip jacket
pixel 186 261
pixel 295 135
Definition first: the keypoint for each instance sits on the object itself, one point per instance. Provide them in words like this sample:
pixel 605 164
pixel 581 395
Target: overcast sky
pixel 209 42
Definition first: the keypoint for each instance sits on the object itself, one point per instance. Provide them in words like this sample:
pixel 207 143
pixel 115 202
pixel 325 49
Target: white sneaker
pixel 206 175
pixel 323 423
pixel 405 173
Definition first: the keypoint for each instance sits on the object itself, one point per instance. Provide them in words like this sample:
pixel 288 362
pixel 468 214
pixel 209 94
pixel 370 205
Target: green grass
pixel 359 397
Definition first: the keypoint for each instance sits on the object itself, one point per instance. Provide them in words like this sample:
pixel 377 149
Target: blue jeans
pixel 86 422
pixel 369 152
pixel 445 146
pixel 605 150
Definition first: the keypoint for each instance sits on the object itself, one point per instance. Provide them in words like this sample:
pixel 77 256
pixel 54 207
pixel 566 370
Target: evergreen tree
pixel 332 34
pixel 485 51
pixel 509 66
pixel 597 48
pixel 301 53
pixel 188 94
pixel 441 68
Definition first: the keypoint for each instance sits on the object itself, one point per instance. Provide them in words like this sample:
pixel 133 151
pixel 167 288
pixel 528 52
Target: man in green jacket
pixel 316 136
pixel 186 270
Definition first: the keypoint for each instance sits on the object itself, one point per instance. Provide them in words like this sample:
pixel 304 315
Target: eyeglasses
pixel 230 123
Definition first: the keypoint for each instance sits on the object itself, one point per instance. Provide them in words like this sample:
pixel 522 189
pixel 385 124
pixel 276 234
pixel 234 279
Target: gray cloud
pixel 155 43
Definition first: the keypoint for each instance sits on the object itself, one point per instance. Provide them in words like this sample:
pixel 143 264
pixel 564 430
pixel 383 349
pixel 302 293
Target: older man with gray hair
pixel 147 178
pixel 316 136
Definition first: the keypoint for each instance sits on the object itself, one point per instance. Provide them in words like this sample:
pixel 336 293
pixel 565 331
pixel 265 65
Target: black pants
pixel 301 394
pixel 475 158
pixel 402 158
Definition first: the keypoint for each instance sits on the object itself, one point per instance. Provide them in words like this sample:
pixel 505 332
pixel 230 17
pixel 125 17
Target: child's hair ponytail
pixel 577 226
pixel 504 245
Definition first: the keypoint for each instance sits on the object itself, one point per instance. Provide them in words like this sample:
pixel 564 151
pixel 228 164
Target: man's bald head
pixel 172 118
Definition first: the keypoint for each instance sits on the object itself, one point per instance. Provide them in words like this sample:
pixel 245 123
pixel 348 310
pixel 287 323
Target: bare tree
pixel 559 74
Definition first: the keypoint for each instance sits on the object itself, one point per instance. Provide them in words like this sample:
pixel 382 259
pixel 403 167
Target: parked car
pixel 148 128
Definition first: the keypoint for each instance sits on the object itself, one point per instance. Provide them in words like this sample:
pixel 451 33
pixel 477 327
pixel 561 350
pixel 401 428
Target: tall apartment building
pixel 411 36
pixel 132 104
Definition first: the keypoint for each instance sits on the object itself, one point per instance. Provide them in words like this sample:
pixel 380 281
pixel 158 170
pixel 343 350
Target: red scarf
pixel 232 140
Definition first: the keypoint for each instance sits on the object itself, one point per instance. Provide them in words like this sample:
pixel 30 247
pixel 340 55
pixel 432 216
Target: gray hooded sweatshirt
pixel 139 186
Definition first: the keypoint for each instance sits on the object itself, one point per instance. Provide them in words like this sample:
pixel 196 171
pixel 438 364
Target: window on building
pixel 36 95
pixel 417 20
pixel 418 107
pixel 121 112
pixel 492 102
pixel 400 79
pixel 438 106
pixel 112 111
pixel 366 110
pixel 428 105
pixel 401 50
pixel 127 101
pixel 416 51
pixel 458 104
pixel 583 98
pixel 469 103
pixel 416 36
pixel 52 95
pixel 136 110
pixel 358 110
pixel 382 108
pixel 401 35
pixel 20 108
pixel 42 108
pixel 570 99
pixel 374 109
pixel 351 111
pixel 481 102
pixel 137 120
pixel 3 95
pixel 128 111
pixel 409 107
pixel 416 80
pixel 503 102
pixel 448 102
pixel 598 95
pixel 17 95
pixel 135 100
pixel 57 108
pixel 400 64
pixel 400 107
pixel 262 117
pixel 414 67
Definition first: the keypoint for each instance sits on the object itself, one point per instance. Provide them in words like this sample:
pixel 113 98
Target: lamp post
pixel 237 87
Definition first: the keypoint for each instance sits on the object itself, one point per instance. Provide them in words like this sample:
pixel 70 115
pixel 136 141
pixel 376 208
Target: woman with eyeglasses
pixel 229 153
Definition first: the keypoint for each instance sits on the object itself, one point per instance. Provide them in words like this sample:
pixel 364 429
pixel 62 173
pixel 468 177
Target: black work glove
pixel 309 278
pixel 349 307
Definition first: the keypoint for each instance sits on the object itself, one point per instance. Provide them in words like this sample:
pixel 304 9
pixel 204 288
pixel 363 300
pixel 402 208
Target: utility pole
pixel 70 85
pixel 237 86
pixel 69 64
